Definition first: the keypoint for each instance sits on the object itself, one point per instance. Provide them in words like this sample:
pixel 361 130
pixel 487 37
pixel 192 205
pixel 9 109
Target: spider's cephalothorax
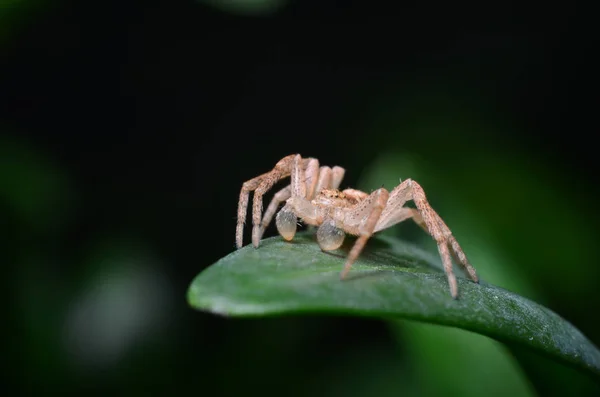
pixel 313 196
pixel 336 198
pixel 327 210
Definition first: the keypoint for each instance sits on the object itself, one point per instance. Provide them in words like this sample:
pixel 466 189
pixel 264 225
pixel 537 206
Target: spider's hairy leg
pixel 311 178
pixel 361 220
pixel 287 223
pixel 455 249
pixel 298 205
pixel 405 213
pixel 329 178
pixel 297 181
pixel 324 182
pixel 259 185
pixel 337 174
pixel 278 198
pixel 459 256
pixel 247 187
pixel 429 220
pixel 355 194
pixel 286 220
pixel 392 216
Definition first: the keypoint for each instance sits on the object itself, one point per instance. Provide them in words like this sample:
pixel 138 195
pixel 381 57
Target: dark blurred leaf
pixel 247 7
pixel 391 279
pixel 14 13
pixel 34 187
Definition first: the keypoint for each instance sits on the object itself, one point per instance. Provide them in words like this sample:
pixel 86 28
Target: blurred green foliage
pixel 14 14
pixel 450 361
pixel 485 200
pixel 110 200
pixel 247 7
pixel 507 206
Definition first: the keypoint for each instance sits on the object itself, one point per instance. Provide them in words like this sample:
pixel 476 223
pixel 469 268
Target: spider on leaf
pixel 314 197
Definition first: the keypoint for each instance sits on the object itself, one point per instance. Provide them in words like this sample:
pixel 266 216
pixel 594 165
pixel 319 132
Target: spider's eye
pixel 286 222
pixel 329 236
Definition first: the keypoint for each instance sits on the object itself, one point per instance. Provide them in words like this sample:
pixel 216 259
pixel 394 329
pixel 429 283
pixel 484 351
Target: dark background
pixel 128 127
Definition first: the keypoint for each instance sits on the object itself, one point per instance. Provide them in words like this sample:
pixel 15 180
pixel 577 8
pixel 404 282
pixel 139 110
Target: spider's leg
pixel 337 176
pixel 311 179
pixel 304 181
pixel 311 176
pixel 391 217
pixel 278 198
pixel 247 187
pixel 297 180
pixel 357 195
pixel 455 250
pixel 291 165
pixel 427 212
pixel 324 182
pixel 361 221
pixel 426 217
pixel 259 185
pixel 459 256
pixel 398 215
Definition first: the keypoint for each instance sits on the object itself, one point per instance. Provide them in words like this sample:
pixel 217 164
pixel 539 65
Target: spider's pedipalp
pixel 329 236
pixel 286 221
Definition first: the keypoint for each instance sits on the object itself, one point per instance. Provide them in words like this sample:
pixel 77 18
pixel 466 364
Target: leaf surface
pixel 391 279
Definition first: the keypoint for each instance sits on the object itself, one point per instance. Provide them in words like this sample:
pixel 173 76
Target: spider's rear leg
pixel 455 249
pixel 361 221
pixel 426 217
pixel 412 213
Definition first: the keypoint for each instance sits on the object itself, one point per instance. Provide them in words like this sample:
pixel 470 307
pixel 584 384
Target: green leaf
pixel 391 279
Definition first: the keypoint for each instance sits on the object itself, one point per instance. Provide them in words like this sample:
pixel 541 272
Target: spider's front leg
pixel 260 185
pixel 303 185
pixel 314 177
pixel 431 222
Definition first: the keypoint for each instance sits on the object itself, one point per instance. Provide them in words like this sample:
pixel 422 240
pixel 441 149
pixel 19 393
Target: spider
pixel 314 197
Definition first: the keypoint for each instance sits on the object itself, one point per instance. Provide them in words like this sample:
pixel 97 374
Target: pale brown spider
pixel 313 196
